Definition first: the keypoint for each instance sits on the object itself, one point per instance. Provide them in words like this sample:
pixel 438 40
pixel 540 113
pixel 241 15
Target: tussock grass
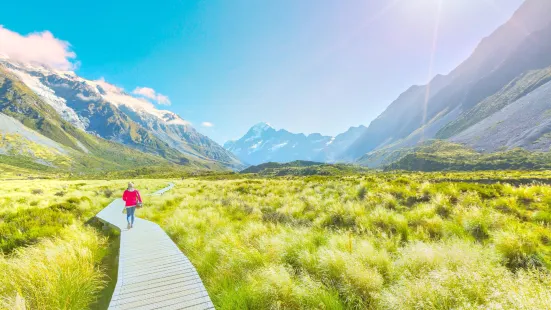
pixel 377 241
pixel 55 274
pixel 373 241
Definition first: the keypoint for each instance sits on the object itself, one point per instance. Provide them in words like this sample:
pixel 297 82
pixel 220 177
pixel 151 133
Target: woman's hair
pixel 130 185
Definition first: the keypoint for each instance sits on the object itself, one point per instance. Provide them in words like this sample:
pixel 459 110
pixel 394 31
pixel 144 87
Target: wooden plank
pixel 153 272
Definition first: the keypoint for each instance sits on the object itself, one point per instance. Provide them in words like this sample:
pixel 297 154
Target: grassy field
pixel 381 241
pixel 371 241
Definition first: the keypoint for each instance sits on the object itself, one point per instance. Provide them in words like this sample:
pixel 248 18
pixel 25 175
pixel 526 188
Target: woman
pixel 131 198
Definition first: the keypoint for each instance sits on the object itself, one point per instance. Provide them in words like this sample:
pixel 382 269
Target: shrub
pixel 362 191
pixel 37 191
pixel 108 193
pixel 337 220
pixel 28 226
pixel 519 250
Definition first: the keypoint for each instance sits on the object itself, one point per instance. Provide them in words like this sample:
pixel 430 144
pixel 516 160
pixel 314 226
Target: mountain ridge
pixel 263 143
pixel 513 49
pixel 33 134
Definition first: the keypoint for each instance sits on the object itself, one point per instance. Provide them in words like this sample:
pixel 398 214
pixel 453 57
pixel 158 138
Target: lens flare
pixel 431 67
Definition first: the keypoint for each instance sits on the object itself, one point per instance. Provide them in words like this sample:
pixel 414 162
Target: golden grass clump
pixel 54 274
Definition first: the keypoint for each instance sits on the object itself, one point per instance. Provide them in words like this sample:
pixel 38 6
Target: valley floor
pixel 371 241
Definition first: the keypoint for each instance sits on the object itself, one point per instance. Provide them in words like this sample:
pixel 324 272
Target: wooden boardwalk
pixel 153 273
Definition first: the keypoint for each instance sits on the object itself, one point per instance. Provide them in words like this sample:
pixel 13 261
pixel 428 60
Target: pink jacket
pixel 131 198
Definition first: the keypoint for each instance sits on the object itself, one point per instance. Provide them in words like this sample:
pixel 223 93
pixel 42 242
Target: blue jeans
pixel 130 214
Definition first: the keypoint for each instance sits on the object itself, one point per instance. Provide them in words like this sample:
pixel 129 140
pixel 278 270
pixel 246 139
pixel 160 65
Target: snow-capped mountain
pixel 262 143
pixel 33 135
pixel 107 111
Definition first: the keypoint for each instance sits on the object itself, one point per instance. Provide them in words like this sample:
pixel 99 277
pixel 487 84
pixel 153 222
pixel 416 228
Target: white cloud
pixel 118 96
pixel 145 91
pixel 37 48
pixel 207 124
pixel 162 99
pixel 150 93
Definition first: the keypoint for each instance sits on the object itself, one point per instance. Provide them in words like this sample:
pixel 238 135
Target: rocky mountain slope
pixel 504 70
pixel 524 123
pixel 106 111
pixel 262 143
pixel 33 133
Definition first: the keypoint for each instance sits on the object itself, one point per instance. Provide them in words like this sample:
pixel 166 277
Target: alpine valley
pixel 497 100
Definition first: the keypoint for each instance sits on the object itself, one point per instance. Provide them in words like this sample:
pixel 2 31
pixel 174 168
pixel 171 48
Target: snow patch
pixel 48 95
pixel 278 146
pixel 256 145
pixel 30 75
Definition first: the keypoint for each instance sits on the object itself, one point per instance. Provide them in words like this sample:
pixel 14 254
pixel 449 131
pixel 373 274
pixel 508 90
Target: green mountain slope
pixel 438 155
pixel 303 168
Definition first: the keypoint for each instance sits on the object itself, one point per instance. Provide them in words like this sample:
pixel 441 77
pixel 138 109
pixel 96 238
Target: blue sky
pixel 303 65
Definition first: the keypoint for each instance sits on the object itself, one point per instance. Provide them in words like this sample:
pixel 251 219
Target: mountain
pixel 262 143
pixel 524 123
pixel 505 67
pixel 35 135
pixel 106 111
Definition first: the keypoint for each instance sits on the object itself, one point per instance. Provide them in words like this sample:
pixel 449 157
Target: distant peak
pixel 357 127
pixel 262 126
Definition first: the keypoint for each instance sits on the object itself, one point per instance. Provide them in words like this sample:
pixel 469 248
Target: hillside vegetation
pixel 440 155
pixel 303 168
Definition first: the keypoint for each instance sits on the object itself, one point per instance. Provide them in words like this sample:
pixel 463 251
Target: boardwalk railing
pixel 153 273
